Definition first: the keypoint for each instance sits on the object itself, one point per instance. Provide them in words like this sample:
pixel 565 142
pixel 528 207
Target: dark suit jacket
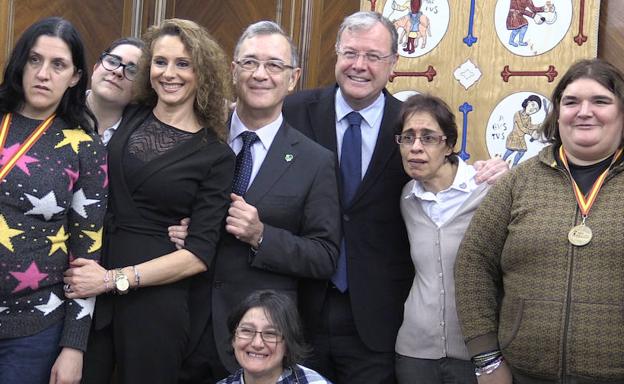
pixel 379 266
pixel 297 201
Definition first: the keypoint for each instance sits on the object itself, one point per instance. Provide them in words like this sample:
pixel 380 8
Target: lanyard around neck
pixel 25 147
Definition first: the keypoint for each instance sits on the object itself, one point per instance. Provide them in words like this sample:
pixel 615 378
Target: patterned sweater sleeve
pixel 478 276
pixel 84 223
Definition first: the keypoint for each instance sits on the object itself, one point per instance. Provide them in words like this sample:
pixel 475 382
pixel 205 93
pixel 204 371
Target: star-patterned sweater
pixel 52 206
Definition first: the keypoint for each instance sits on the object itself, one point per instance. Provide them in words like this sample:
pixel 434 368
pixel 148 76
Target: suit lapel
pixel 322 117
pixel 281 154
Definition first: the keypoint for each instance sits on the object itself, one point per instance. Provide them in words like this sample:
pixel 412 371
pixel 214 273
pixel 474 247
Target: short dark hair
pixel 598 70
pixel 535 98
pixel 128 40
pixel 73 107
pixel 282 312
pixel 264 28
pixel 439 110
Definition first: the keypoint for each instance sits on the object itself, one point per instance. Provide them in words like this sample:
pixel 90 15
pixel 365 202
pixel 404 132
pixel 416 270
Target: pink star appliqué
pixel 73 176
pixel 22 163
pixel 29 279
pixel 105 170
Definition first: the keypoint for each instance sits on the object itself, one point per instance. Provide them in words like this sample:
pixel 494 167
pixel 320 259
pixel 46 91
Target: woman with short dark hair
pixel 437 205
pixel 267 339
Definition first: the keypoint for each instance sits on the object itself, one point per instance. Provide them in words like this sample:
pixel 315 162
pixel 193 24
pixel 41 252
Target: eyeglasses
pixel 270 336
pixel 408 139
pixel 111 62
pixel 368 56
pixel 271 66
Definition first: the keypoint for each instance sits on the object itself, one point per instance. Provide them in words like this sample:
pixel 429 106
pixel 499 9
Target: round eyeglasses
pixel 270 336
pixel 111 62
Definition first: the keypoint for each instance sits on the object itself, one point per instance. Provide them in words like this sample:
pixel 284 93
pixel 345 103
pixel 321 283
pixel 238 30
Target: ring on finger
pixel 67 288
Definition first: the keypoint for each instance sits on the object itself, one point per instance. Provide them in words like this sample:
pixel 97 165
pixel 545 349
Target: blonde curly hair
pixel 209 64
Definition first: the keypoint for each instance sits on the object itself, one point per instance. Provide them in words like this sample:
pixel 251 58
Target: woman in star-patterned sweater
pixel 52 203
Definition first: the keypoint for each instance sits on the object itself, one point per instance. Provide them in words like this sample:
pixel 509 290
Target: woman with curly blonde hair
pixel 167 161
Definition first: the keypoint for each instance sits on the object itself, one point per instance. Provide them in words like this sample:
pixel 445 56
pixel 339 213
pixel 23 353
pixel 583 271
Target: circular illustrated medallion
pixel 511 132
pixel 421 24
pixel 532 27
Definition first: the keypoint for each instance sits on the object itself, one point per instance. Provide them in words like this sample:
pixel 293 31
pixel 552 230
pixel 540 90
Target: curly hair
pixel 209 65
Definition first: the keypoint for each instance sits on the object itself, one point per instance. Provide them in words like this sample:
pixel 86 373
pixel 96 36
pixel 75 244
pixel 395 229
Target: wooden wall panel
pixel 226 20
pixel 611 32
pixel 98 21
pixel 326 18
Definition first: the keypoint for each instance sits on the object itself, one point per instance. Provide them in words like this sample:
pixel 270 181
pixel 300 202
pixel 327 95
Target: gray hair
pixel 365 20
pixel 266 27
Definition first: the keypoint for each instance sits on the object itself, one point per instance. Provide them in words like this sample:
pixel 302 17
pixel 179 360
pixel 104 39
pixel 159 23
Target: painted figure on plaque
pixel 420 24
pixel 514 131
pixel 532 27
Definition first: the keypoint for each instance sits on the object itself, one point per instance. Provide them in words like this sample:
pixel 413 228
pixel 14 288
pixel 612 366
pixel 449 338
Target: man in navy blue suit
pixel 353 328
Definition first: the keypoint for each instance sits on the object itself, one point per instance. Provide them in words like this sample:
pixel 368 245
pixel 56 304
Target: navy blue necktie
pixel 244 164
pixel 351 176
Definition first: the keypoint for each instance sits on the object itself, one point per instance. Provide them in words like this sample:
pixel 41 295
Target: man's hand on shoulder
pixel 490 170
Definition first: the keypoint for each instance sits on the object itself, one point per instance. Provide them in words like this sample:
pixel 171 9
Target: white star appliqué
pixel 87 307
pixel 53 303
pixel 79 201
pixel 2 309
pixel 45 206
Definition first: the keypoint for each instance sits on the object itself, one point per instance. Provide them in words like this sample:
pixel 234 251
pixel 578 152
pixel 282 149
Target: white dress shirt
pixel 371 123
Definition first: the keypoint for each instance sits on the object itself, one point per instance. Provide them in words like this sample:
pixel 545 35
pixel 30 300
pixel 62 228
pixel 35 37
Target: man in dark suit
pixel 352 327
pixel 284 219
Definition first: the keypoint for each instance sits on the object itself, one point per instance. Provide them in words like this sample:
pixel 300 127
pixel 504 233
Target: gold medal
pixel 580 235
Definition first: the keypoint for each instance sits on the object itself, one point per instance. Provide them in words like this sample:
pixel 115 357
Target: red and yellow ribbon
pixel 585 203
pixel 25 147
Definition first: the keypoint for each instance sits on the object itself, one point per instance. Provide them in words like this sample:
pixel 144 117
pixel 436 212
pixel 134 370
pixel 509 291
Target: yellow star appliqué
pixel 58 241
pixel 6 233
pixel 96 236
pixel 73 137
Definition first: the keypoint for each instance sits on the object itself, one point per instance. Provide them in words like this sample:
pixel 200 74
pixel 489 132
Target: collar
pixel 266 133
pixel 463 182
pixel 371 114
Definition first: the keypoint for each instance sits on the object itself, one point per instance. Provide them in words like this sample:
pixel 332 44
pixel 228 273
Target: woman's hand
pixel 502 375
pixel 67 368
pixel 85 278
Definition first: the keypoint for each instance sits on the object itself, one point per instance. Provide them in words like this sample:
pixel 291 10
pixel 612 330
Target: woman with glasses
pixel 111 84
pixel 437 205
pixel 267 339
pixel 168 161
pixel 52 204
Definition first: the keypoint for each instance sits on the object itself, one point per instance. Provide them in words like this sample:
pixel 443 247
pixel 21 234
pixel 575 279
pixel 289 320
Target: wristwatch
pixel 122 285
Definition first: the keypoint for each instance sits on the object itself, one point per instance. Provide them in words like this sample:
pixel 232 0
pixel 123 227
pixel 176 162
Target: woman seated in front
pixel 268 342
